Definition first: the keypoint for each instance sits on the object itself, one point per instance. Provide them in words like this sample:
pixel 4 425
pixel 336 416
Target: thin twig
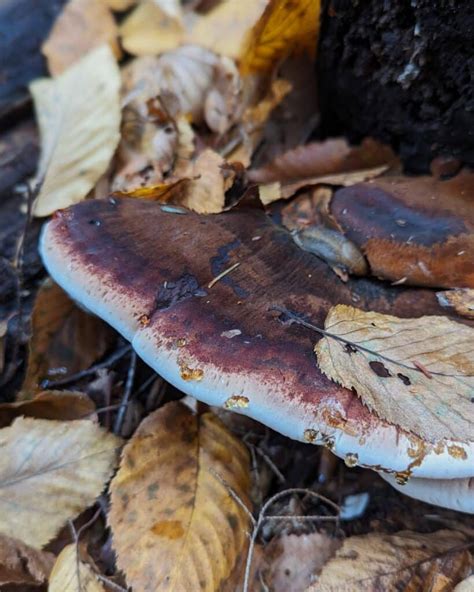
pixel 113 585
pixel 126 394
pixel 76 535
pixel 223 274
pixel 112 359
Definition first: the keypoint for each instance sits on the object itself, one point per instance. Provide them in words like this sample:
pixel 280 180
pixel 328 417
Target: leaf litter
pixel 190 122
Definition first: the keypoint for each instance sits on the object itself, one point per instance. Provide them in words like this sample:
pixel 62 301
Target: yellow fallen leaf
pixel 50 471
pixel 149 30
pixel 119 5
pixel 175 525
pixel 163 192
pixel 63 405
pixel 285 27
pixel 22 566
pixel 211 178
pixel 65 339
pixel 82 26
pixel 414 373
pixel 405 561
pixel 79 118
pixel 224 28
pixel 71 574
pixel 461 299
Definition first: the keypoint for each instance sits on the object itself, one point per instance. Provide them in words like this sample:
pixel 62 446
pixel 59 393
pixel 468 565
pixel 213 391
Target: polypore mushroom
pixel 417 230
pixel 200 299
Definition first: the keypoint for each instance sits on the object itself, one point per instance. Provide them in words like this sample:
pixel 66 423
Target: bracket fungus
pixel 171 285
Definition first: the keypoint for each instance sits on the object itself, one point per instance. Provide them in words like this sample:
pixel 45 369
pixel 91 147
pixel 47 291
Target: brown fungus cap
pixel 157 275
pixel 419 230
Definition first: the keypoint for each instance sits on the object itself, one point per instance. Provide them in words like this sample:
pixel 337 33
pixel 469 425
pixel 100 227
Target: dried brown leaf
pixel 175 524
pixel 321 159
pixel 65 339
pixel 49 472
pixel 406 561
pixel 78 115
pixel 21 565
pixel 462 300
pixel 82 26
pixel 416 373
pixel 61 405
pixel 71 574
pixel 292 560
pixel 149 30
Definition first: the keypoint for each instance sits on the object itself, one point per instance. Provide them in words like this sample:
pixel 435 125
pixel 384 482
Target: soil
pixel 401 71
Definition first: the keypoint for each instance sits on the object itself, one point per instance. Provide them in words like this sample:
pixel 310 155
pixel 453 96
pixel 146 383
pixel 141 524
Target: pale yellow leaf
pixel 21 565
pixel 466 585
pixel 224 29
pixel 149 30
pixel 175 525
pixel 79 118
pixel 49 472
pixel 415 373
pixel 71 574
pixel 404 561
pixel 82 26
pixel 119 5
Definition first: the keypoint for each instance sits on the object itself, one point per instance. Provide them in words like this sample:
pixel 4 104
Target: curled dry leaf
pixel 150 30
pixel 71 574
pixel 414 373
pixel 293 560
pixel 404 561
pixel 284 28
pixel 461 300
pixel 65 339
pixel 21 565
pixel 175 524
pixel 61 405
pixel 49 472
pixel 332 162
pixel 173 191
pixel 79 130
pixel 82 26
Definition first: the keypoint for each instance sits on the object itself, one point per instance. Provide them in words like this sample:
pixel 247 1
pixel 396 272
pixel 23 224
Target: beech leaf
pixel 79 118
pixel 65 339
pixel 461 300
pixel 49 472
pixel 404 561
pixel 416 373
pixel 71 574
pixel 175 524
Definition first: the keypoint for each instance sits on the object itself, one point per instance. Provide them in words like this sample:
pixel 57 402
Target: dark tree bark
pixel 402 71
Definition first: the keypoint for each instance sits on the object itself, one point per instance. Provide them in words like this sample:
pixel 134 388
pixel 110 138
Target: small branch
pixel 127 392
pixel 223 274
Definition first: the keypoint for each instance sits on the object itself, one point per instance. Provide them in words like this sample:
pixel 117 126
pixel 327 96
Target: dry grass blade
pixel 415 373
pixel 175 526
pixel 49 472
pixel 79 130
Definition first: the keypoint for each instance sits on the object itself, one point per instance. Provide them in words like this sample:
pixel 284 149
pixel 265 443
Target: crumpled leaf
pixel 331 162
pixel 406 561
pixel 462 300
pixel 211 178
pixel 62 405
pixel 414 373
pixel 65 339
pixel 292 560
pixel 71 574
pixel 21 565
pixel 82 26
pixel 79 118
pixel 49 472
pixel 151 30
pixel 175 525
pixel 284 28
